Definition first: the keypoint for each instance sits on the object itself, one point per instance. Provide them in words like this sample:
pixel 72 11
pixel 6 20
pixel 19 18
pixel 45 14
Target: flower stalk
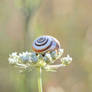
pixel 40 79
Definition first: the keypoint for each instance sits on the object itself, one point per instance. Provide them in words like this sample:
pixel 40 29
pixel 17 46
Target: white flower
pixel 12 61
pixel 48 58
pixel 61 51
pixel 25 56
pixel 66 60
pixel 14 58
pixel 53 54
pixel 34 58
pixel 40 57
pixel 14 54
pixel 26 59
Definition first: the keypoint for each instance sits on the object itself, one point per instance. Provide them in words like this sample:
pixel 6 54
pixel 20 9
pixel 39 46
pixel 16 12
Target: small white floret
pixel 66 60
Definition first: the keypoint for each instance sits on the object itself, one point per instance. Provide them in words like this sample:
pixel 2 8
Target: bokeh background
pixel 70 21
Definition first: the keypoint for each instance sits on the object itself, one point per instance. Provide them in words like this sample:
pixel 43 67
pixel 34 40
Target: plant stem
pixel 40 79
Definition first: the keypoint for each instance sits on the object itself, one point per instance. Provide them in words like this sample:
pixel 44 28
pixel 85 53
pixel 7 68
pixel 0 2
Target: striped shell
pixel 44 44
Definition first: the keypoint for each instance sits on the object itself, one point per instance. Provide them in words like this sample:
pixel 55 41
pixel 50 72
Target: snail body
pixel 44 44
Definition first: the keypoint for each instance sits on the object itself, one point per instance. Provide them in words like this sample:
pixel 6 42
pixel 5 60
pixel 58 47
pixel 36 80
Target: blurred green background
pixel 70 21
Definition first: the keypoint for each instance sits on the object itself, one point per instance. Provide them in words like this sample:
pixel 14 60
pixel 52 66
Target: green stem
pixel 40 79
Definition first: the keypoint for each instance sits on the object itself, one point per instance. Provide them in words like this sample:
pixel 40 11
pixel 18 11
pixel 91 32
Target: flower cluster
pixel 29 60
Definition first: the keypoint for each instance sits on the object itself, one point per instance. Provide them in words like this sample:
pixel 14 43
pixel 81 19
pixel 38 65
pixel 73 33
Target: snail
pixel 45 44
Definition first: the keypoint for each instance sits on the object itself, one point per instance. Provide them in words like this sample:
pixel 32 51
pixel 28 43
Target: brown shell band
pixel 41 50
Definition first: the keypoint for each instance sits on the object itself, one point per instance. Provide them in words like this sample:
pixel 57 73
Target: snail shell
pixel 44 44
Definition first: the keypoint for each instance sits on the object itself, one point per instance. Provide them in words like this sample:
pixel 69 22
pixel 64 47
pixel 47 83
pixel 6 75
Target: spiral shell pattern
pixel 45 43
